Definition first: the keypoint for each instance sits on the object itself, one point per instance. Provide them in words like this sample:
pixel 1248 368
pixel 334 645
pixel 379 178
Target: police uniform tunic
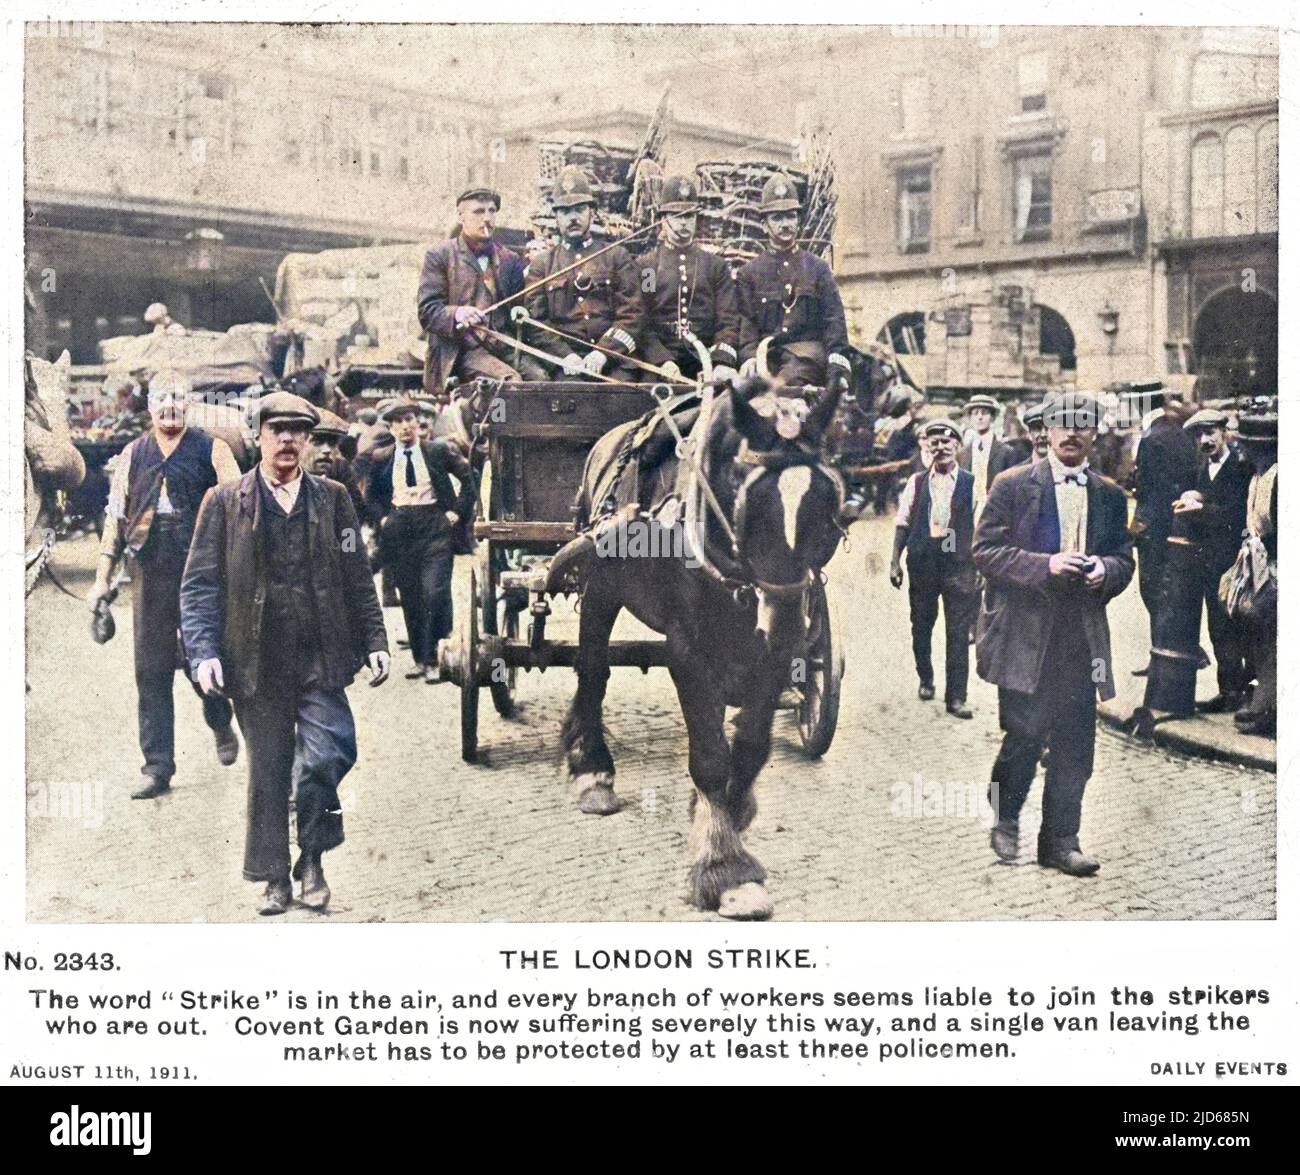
pixel 689 291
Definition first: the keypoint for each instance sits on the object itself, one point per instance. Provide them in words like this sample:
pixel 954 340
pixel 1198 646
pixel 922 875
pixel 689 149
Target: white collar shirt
pixel 285 493
pixel 419 494
pixel 942 487
pixel 1071 486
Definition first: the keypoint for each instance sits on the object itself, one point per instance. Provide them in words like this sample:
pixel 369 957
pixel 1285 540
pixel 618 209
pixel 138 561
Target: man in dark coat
pixel 790 296
pixel 1054 548
pixel 325 457
pixel 1219 505
pixel 419 512
pixel 153 503
pixel 1166 469
pixel 985 456
pixel 597 304
pixel 935 525
pixel 1257 435
pixel 278 611
pixel 687 291
pixel 461 278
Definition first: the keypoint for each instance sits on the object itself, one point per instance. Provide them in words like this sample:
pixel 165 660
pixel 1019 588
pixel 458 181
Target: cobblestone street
pixel 886 826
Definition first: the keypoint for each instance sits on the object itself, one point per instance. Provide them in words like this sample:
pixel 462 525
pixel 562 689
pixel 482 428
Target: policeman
pixel 595 303
pixel 935 526
pixel 687 291
pixel 789 295
pixel 1036 431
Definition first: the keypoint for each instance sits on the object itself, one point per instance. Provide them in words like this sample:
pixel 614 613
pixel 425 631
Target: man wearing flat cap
pixel 687 291
pixel 595 307
pixel 461 278
pixel 418 510
pixel 1217 508
pixel 984 455
pixel 278 611
pixel 790 296
pixel 1054 549
pixel 1035 434
pixel 153 502
pixel 934 526
pixel 325 457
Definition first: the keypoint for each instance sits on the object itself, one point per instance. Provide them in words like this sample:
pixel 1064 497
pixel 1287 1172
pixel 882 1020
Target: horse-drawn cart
pixel 539 436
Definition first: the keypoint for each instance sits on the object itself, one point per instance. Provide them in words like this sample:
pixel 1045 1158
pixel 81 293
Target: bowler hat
pixel 283 406
pixel 1072 409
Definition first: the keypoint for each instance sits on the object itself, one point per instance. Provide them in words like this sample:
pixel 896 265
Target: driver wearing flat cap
pixel 278 612
pixel 461 278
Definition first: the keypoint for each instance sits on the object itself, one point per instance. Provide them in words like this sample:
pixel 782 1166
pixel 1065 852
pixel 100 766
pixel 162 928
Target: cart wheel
pixel 469 678
pixel 498 620
pixel 819 704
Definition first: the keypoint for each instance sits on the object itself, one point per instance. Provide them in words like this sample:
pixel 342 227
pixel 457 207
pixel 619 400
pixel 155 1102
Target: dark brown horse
pixel 714 550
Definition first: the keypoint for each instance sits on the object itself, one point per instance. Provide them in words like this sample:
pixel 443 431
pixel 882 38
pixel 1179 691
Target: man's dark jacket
pixel 443 461
pixel 223 591
pixel 1018 533
pixel 1001 456
pixel 1166 468
pixel 1223 517
pixel 451 277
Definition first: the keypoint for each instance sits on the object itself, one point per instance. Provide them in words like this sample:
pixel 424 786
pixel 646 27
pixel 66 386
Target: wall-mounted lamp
pixel 1108 316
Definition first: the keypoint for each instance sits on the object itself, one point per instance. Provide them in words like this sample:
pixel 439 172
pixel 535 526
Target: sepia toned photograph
pixel 696 473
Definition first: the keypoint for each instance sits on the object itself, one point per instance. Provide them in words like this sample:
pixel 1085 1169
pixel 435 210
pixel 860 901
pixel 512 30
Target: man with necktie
pixel 1054 548
pixel 417 510
pixel 934 525
pixel 153 502
pixel 984 456
pixel 278 611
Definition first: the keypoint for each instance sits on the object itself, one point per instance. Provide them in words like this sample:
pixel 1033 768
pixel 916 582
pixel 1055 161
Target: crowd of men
pixel 260 585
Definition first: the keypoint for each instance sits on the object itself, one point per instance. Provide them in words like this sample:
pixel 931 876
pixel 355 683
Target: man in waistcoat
pixel 1054 547
pixel 934 526
pixel 153 501
pixel 278 610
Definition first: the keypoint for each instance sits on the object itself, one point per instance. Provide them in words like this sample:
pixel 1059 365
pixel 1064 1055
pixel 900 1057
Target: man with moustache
pixel 1054 548
pixel 596 304
pixel 1218 504
pixel 153 501
pixel 935 525
pixel 687 291
pixel 278 611
pixel 790 296
pixel 461 278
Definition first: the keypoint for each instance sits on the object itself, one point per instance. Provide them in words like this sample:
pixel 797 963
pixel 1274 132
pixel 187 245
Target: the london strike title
pixel 641 959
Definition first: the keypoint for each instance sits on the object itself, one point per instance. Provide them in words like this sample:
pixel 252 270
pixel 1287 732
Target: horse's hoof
pixel 600 799
pixel 746 903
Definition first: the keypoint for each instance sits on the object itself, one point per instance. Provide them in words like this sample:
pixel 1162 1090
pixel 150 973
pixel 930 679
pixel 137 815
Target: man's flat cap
pixel 1207 418
pixel 398 406
pixel 1073 409
pixel 1258 427
pixel 283 406
pixel 331 425
pixel 480 194
pixel 1032 415
pixel 940 428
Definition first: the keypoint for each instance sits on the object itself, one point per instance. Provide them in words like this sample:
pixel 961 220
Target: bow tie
pixel 1076 478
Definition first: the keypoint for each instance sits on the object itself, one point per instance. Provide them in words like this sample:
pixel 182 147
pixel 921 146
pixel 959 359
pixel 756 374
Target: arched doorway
pixel 1055 337
pixel 905 333
pixel 1234 345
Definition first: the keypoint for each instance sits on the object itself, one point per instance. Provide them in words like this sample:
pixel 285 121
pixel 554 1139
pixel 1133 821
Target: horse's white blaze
pixel 792 485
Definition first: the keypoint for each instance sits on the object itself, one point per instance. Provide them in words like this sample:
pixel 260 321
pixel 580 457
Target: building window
pixel 1239 181
pixel 1032 178
pixel 1032 78
pixel 214 86
pixel 293 153
pixel 1266 178
pixel 1207 186
pixel 914 210
pixel 403 168
pixel 376 168
pixel 914 104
